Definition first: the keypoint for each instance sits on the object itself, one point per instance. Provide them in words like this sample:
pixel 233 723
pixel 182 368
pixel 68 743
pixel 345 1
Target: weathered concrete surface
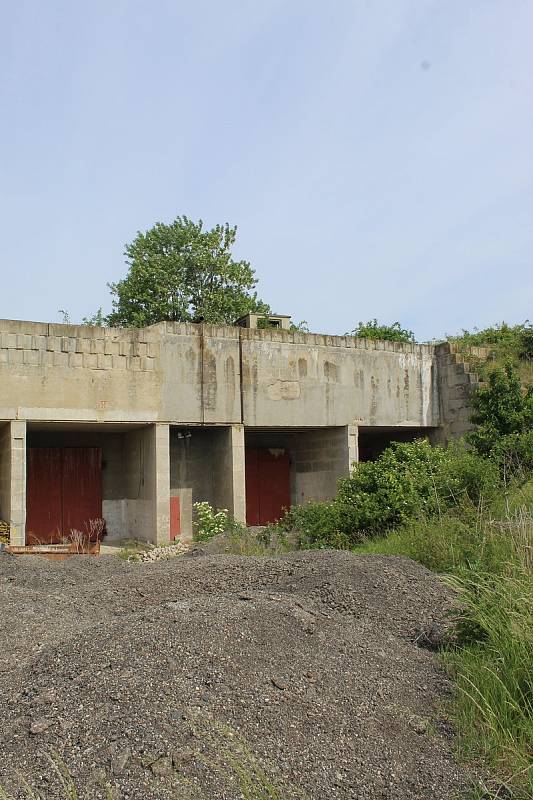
pixel 455 386
pixel 186 373
pixel 307 392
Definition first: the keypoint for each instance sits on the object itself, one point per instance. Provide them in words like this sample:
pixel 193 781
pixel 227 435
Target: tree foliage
pixel 181 272
pixel 501 409
pixel 390 333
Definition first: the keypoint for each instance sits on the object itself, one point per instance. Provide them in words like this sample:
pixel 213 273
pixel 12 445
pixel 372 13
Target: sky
pixel 376 155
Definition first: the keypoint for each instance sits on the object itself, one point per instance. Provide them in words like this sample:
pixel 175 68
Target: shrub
pixel 317 524
pixel 209 523
pixel 391 333
pixel 407 480
pixel 500 409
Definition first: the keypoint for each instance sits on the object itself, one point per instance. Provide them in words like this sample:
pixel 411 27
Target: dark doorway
pixel 268 484
pixel 64 491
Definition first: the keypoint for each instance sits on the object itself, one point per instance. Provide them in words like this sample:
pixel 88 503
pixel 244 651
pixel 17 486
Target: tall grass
pixel 490 564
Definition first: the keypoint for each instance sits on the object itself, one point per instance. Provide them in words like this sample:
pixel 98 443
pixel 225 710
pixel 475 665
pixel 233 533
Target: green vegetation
pixel 374 330
pixel 407 481
pixel 181 272
pixel 504 343
pixel 467 513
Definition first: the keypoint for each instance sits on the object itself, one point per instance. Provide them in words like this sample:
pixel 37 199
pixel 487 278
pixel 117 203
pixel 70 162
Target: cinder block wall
pixel 319 457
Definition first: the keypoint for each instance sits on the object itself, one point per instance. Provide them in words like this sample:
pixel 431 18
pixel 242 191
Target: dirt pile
pixel 223 677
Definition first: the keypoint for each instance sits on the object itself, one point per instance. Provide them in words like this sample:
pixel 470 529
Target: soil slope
pixel 223 677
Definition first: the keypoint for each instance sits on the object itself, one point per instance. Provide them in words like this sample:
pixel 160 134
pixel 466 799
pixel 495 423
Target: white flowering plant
pixel 208 523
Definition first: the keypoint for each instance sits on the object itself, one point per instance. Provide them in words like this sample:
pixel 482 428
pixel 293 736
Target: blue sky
pixel 376 155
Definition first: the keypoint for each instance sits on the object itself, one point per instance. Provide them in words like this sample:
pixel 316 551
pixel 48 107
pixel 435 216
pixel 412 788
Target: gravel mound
pixel 223 677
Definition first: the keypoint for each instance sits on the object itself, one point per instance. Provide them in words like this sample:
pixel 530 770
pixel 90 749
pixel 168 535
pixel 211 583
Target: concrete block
pixel 75 360
pixel 16 356
pixel 61 359
pixel 90 360
pixel 53 343
pixel 120 362
pixel 104 362
pixel 68 344
pixel 31 357
pixel 147 364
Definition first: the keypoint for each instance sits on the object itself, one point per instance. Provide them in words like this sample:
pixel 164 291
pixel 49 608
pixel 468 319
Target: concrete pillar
pixel 352 432
pixel 13 479
pixel 147 477
pixel 161 474
pixel 236 434
pixel 228 471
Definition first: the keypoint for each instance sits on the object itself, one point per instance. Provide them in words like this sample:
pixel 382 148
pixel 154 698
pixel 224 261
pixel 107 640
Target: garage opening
pixel 80 472
pixel 374 440
pixel 201 469
pixel 63 492
pixel 286 467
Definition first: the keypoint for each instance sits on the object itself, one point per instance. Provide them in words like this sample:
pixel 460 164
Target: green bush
pixel 408 480
pixel 390 333
pixel 503 340
pixel 500 409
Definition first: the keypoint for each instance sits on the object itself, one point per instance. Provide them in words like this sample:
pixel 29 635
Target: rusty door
pixel 44 496
pixel 268 485
pixel 82 487
pixel 64 491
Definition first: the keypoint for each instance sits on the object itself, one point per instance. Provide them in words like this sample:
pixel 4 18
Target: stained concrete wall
pixel 293 379
pixel 207 464
pixel 191 374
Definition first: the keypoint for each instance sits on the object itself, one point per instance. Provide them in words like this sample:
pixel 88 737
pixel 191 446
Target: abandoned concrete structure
pixel 135 425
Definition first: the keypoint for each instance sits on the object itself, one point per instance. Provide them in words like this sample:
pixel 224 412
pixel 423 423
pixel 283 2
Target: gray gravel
pixel 201 677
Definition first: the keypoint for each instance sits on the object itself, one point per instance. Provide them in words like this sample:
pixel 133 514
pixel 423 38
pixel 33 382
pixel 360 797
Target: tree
pixel 181 272
pixel 391 333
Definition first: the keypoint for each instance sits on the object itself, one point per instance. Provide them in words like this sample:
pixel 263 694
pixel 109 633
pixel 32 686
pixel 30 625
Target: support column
pixel 161 483
pixel 228 471
pixel 353 446
pixel 147 467
pixel 238 472
pixel 13 479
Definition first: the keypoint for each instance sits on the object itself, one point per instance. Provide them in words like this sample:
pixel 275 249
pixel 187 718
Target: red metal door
pixel 268 485
pixel 175 518
pixel 43 496
pixel 82 487
pixel 64 491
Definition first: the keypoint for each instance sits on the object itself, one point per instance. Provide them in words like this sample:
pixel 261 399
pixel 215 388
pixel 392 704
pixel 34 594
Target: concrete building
pixel 135 425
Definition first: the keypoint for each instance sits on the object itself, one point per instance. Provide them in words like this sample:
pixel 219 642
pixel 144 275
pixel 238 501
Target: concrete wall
pixel 294 379
pixel 191 374
pixel 455 385
pixel 207 464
